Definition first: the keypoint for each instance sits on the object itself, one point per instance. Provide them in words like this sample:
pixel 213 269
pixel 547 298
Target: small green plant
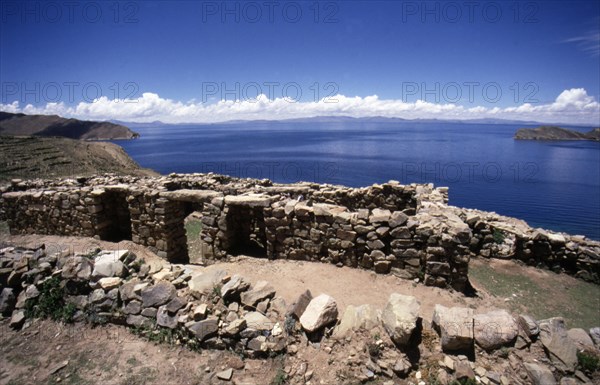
pixel 289 325
pixel 433 379
pixel 132 361
pixel 161 335
pixel 92 253
pixel 464 381
pixel 503 352
pixel 588 362
pixel 498 236
pixel 280 378
pixel 373 349
pixel 93 317
pixel 217 291
pixel 137 265
pixel 50 303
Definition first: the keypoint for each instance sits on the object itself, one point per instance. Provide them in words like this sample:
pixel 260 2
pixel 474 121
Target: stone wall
pixel 207 308
pixel 408 230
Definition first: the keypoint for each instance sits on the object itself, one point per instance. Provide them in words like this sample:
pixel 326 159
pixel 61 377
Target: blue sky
pixel 175 60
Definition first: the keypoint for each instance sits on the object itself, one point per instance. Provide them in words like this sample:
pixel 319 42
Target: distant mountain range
pixel 53 125
pixel 556 133
pixel 338 119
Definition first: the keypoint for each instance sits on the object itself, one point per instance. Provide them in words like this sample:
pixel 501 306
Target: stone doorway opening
pixel 196 247
pixel 246 231
pixel 115 221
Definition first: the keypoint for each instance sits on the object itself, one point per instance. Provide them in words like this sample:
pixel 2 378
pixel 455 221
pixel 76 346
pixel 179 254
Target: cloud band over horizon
pixel 572 106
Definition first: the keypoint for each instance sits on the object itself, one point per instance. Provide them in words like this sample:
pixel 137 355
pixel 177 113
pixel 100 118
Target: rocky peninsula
pixel 556 133
pixel 53 125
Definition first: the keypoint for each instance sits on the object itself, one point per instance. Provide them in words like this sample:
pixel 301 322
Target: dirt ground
pixel 347 285
pixel 50 353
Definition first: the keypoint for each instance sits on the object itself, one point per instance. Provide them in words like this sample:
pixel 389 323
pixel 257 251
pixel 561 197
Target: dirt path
pixel 51 353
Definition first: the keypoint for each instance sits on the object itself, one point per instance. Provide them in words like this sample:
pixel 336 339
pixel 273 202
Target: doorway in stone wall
pixel 246 231
pixel 193 230
pixel 115 217
pixel 197 249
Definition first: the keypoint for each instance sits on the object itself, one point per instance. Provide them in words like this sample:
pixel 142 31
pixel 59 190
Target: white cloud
pixel 572 106
pixel 589 43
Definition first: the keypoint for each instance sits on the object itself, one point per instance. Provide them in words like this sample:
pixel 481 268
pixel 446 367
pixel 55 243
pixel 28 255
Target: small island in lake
pixel 556 133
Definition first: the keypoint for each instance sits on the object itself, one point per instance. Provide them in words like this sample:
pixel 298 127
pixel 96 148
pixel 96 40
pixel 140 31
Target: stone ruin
pixel 407 230
pixel 206 308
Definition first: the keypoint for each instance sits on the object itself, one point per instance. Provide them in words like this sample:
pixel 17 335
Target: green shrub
pixel 280 378
pixel 588 362
pixel 216 291
pixel 93 317
pixel 160 335
pixel 374 349
pixel 50 303
pixel 464 381
pixel 290 325
pixel 498 236
pixel 137 265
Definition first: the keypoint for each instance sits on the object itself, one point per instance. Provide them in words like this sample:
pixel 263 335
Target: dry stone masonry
pixel 206 308
pixel 406 230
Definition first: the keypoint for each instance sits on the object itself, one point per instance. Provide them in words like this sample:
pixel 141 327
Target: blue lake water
pixel 554 185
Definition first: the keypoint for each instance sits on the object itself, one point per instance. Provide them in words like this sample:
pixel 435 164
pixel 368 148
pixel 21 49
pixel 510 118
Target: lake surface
pixel 554 185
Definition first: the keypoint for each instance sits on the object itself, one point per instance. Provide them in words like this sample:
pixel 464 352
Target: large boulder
pixel 205 283
pixel 205 329
pixel 380 215
pixel 529 325
pixel 250 200
pixel 18 319
pixel 320 312
pixel 560 348
pixel 581 338
pixel 159 294
pixel 357 317
pixel 235 327
pixel 77 268
pixel 595 334
pixel 109 283
pixel 127 290
pixel 494 329
pixel 7 301
pixel 236 285
pixel 257 321
pixel 165 318
pixel 400 317
pixel 138 321
pixel 297 308
pixel 397 218
pixel 259 292
pixel 108 264
pixel 455 326
pixel 539 374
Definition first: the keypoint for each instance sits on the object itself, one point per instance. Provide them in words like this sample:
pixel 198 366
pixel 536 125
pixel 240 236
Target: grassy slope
pixel 35 157
pixel 542 294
